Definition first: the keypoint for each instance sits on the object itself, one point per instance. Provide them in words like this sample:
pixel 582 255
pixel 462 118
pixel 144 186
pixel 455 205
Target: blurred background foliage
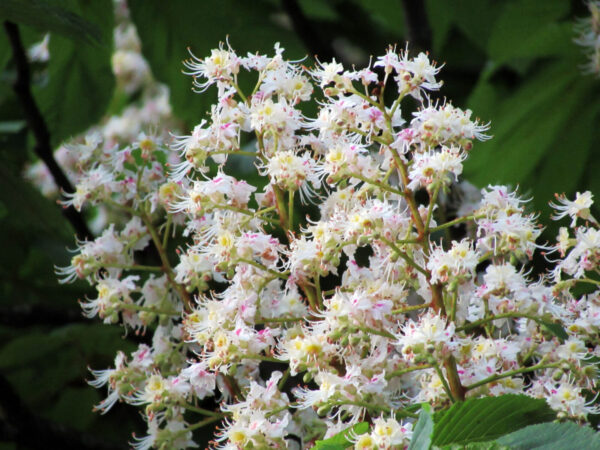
pixel 513 62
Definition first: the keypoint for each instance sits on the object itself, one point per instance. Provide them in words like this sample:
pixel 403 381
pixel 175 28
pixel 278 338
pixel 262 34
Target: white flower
pixel 578 208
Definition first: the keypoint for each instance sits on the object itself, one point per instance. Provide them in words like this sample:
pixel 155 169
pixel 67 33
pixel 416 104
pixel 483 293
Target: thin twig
pixel 37 125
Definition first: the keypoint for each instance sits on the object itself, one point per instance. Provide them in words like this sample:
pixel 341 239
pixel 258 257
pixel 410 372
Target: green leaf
pixel 555 329
pixel 530 29
pixel 340 440
pixel 526 125
pixel 168 29
pixel 80 77
pixel 73 407
pixel 552 436
pixel 475 18
pixel 421 439
pixel 55 16
pixel 476 446
pixel 485 419
pixel 440 19
pixel 386 13
pixel 564 165
pixel 318 9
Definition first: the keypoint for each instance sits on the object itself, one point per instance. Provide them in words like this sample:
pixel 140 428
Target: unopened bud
pixel 557 375
pixel 323 410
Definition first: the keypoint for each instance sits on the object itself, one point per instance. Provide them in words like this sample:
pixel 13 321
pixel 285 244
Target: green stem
pixel 404 256
pixel 235 152
pixel 264 358
pixel 444 381
pixel 239 92
pixel 165 240
pixel 455 222
pixel 310 294
pixel 166 266
pixel 377 332
pixel 279 320
pixel 203 411
pixel 456 387
pixel 284 379
pixel 278 410
pixel 319 293
pixel 498 317
pixel 404 413
pixel 400 372
pixel 453 305
pixel 410 308
pixel 379 184
pixel 432 202
pixel 408 194
pixel 510 373
pixel 281 208
pixel 283 276
pixel 366 405
pixel 200 424
pixel 244 211
pixel 291 209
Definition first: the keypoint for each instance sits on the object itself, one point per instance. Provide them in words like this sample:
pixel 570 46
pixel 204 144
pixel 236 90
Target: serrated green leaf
pixel 340 440
pixel 56 17
pixel 484 419
pixel 422 434
pixel 80 77
pixel 552 436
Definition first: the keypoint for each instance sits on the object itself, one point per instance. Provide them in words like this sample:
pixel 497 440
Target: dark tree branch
pixel 307 32
pixel 37 126
pixel 19 425
pixel 417 25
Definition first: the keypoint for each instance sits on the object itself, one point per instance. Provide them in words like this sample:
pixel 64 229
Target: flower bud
pixel 323 410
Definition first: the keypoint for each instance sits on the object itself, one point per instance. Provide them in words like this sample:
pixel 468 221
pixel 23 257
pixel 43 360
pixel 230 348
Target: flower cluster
pixel 375 300
pixel 88 160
